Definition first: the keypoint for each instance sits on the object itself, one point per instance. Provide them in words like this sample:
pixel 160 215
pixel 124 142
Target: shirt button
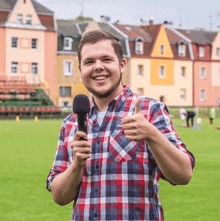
pixel 98 142
pixel 95 215
pixel 97 166
pixel 96 190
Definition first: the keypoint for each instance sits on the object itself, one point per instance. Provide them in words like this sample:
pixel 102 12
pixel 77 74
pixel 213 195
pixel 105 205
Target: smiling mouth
pixel 100 77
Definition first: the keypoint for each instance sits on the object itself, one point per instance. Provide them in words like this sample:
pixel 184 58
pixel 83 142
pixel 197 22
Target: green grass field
pixel 27 150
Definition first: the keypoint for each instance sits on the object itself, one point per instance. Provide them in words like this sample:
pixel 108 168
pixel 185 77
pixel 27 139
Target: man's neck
pixel 102 103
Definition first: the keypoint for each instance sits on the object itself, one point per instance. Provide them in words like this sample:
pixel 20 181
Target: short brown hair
pixel 94 36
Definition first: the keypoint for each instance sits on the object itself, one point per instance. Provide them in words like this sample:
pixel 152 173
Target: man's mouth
pixel 100 77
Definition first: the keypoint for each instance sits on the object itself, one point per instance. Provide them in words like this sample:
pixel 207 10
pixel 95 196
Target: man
pixel 190 115
pixel 131 144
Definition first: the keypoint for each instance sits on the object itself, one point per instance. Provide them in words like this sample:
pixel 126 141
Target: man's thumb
pixel 137 105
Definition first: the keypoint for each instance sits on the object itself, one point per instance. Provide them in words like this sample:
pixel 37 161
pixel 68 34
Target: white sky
pixel 194 13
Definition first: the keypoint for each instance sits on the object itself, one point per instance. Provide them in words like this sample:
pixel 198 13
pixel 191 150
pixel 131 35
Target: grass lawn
pixel 27 151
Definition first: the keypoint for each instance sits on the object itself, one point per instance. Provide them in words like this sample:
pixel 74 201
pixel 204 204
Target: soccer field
pixel 27 151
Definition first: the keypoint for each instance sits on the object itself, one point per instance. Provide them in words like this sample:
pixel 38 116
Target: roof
pixel 75 29
pixel 173 37
pixel 45 15
pixel 199 36
pixel 67 27
pixel 40 8
pixel 9 5
pixel 133 32
pixel 152 30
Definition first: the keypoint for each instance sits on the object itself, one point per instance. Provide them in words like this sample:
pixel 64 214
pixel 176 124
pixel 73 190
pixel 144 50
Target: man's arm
pixel 64 187
pixel 174 164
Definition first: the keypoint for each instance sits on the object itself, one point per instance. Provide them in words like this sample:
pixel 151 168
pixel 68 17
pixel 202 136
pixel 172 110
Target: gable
pixel 215 47
pixel 161 40
pixel 24 8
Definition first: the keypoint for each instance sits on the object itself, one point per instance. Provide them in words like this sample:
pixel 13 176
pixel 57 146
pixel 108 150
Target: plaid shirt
pixel 121 179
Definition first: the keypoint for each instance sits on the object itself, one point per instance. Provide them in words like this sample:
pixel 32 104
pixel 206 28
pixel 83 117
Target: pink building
pixel 28 43
pixel 206 66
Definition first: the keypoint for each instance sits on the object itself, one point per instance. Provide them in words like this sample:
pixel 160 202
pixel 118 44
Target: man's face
pixel 100 69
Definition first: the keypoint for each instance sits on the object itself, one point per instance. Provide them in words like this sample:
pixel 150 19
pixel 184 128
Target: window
pixel 140 91
pixel 181 49
pixel 183 94
pixel 162 72
pixel 218 52
pixel 162 49
pixel 202 95
pixel 19 18
pixel 139 47
pixel 34 68
pixel 34 43
pixel 68 43
pixel 140 70
pixel 28 19
pixel 201 51
pixel 14 42
pixel 68 68
pixel 65 91
pixel 14 67
pixel 183 72
pixel 202 73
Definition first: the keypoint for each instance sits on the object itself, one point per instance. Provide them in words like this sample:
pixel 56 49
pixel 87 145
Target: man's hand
pixel 137 127
pixel 81 149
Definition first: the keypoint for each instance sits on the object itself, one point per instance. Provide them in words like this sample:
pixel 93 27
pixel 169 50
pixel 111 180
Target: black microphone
pixel 81 107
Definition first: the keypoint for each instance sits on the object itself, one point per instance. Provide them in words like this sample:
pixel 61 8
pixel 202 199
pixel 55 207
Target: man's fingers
pixel 137 105
pixel 80 134
pixel 82 150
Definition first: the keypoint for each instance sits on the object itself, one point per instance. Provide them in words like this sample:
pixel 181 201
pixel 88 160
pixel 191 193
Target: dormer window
pixel 162 49
pixel 201 51
pixel 19 18
pixel 139 46
pixel 68 43
pixel 182 49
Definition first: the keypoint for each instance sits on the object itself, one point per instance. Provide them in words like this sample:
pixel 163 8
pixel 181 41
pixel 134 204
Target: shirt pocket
pixel 120 148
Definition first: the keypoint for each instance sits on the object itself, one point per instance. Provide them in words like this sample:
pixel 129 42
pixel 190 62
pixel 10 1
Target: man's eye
pixel 88 62
pixel 106 59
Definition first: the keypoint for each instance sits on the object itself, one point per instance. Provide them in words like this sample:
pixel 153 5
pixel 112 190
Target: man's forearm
pixel 173 163
pixel 65 185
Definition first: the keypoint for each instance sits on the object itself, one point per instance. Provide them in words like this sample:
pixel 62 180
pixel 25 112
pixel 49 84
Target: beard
pixel 107 93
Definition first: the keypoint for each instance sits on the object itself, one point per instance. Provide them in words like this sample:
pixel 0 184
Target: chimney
pixel 105 18
pixel 143 23
pixel 167 24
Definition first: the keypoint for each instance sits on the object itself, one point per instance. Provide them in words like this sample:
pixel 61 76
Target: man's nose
pixel 98 66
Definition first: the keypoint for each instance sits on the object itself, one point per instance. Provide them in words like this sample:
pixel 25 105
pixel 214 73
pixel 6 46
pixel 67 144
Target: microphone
pixel 81 107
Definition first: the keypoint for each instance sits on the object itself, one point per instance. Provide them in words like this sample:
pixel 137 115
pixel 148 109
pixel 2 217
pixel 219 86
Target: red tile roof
pixel 133 31
pixel 3 16
pixel 47 21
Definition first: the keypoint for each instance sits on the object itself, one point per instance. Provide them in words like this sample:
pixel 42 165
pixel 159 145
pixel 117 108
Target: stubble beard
pixel 107 93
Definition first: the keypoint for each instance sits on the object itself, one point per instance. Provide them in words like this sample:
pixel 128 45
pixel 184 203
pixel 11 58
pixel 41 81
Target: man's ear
pixel 122 65
pixel 80 71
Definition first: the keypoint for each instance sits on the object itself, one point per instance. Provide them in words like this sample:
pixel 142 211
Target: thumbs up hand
pixel 137 127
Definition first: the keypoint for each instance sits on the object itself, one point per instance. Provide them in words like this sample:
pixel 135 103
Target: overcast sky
pixel 194 13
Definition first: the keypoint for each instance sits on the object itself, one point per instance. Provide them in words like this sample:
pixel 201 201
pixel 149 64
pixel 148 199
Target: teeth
pixel 100 78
